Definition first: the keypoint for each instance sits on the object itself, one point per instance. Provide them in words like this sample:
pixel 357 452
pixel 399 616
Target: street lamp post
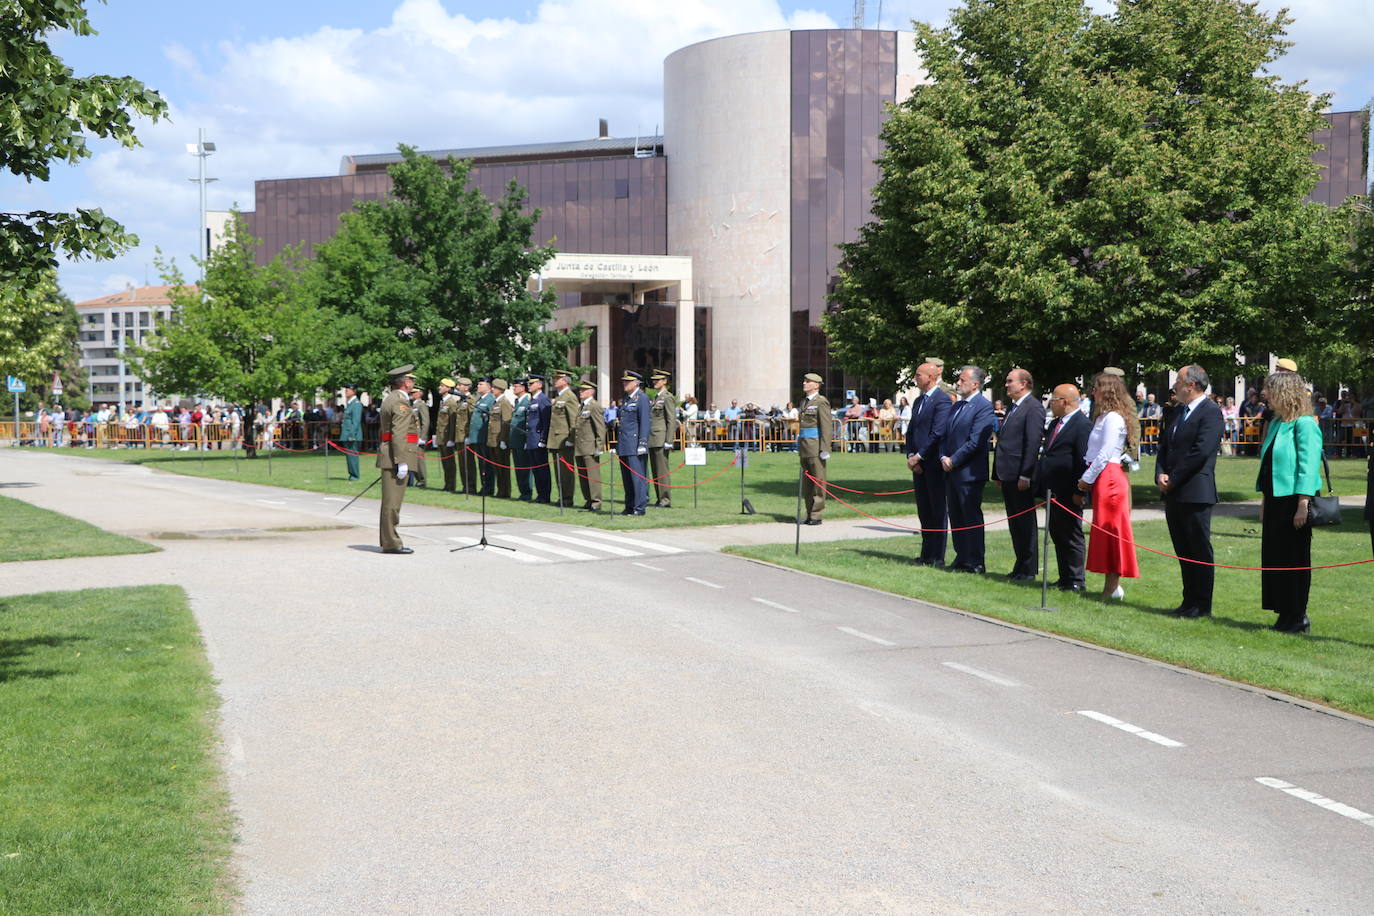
pixel 201 150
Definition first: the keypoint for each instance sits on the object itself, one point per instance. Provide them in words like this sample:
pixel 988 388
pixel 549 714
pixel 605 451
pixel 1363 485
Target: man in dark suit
pixel 632 443
pixel 537 438
pixel 1062 462
pixel 964 457
pixel 925 431
pixel 1185 472
pixel 1013 465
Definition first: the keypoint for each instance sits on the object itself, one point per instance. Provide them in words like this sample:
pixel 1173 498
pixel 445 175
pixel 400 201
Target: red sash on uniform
pixel 411 437
pixel 386 437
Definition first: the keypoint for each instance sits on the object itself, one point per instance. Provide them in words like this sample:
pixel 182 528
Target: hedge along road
pixel 427 732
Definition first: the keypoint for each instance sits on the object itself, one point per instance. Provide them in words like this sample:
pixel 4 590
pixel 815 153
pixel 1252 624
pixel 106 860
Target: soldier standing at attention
pixel 498 436
pixel 462 417
pixel 589 441
pixel 537 437
pixel 351 431
pixel 632 444
pixel 443 434
pixel 421 408
pixel 477 433
pixel 519 432
pixel 816 432
pixel 397 453
pixel 662 435
pixel 562 422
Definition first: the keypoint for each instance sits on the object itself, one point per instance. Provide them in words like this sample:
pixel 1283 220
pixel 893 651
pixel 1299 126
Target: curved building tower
pixel 771 139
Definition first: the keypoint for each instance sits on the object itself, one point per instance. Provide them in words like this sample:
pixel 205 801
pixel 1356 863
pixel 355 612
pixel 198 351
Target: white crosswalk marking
pixel 514 555
pixel 628 542
pixel 591 545
pixel 539 545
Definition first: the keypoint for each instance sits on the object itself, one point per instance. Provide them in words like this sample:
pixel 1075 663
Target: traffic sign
pixel 15 385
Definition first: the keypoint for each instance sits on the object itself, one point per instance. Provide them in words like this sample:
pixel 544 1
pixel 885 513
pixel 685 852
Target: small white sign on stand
pixel 695 455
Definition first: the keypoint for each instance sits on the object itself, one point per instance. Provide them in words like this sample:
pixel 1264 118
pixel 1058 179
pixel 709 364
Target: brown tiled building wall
pixel 841 81
pixel 615 205
pixel 1343 159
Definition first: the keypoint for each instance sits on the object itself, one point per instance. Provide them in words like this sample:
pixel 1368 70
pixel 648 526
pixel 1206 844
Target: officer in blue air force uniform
pixel 632 443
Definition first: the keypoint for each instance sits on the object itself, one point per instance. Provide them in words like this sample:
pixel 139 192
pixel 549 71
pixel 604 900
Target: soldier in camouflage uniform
pixel 562 422
pixel 816 432
pixel 589 441
pixel 662 435
pixel 397 453
pixel 443 434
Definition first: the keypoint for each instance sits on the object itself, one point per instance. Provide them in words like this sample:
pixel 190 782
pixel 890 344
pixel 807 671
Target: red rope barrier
pixel 686 486
pixel 874 492
pixel 822 484
pixel 663 475
pixel 498 464
pixel 1171 556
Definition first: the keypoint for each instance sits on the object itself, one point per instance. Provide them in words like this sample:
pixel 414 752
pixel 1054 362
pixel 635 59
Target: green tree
pixel 46 113
pixel 33 333
pixel 66 325
pixel 247 334
pixel 436 276
pixel 1073 190
pixel 1340 348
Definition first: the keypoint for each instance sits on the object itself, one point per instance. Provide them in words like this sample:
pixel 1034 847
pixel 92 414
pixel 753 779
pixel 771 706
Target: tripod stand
pixel 482 542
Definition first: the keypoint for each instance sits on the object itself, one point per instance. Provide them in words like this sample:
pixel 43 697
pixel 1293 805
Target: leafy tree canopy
pixel 46 113
pixel 246 334
pixel 436 276
pixel 37 328
pixel 1074 190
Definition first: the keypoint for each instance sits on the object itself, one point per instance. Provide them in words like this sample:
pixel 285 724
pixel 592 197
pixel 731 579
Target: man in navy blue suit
pixel 632 443
pixel 929 418
pixel 537 438
pixel 964 457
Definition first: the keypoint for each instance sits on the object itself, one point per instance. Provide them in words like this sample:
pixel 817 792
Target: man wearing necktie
pixel 1185 472
pixel 925 432
pixel 1062 463
pixel 1013 463
pixel 964 457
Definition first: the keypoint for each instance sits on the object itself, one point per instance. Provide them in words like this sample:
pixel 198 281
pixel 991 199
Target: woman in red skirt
pixel 1111 546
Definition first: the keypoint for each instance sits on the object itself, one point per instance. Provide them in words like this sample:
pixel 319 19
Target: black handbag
pixel 1323 510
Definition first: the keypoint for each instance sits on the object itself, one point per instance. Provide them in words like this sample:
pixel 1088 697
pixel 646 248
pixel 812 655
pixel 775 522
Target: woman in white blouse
pixel 1111 546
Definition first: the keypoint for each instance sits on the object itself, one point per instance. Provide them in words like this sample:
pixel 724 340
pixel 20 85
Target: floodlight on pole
pixel 201 150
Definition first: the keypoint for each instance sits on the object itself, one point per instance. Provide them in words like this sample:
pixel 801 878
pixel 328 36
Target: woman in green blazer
pixel 1290 473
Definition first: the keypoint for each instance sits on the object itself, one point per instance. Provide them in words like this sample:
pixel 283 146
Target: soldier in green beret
pixel 662 435
pixel 816 432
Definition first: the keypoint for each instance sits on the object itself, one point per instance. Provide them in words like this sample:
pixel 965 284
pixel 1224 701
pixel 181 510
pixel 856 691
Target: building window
pixel 114 319
pixel 143 319
pixel 570 190
pixel 622 187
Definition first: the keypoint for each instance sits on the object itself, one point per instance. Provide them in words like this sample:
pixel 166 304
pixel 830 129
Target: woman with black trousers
pixel 1290 474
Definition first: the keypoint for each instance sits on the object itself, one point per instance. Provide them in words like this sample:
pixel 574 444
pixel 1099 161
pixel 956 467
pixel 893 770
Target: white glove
pixel 643 450
pixel 825 456
pixel 504 446
pixel 402 471
pixel 567 443
pixel 543 444
pixel 450 443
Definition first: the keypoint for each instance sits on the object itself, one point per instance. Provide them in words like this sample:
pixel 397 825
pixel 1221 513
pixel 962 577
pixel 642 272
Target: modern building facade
pixel 109 326
pixel 766 164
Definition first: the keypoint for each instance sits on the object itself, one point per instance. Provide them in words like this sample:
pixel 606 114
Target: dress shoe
pixel 663 504
pixel 976 570
pixel 1192 613
pixel 637 512
pixel 398 550
pixel 1178 610
pixel 1020 577
pixel 544 501
pixel 1069 586
pixel 527 499
pixel 1117 594
pixel 627 512
pixel 919 561
pixel 812 521
pixel 1302 626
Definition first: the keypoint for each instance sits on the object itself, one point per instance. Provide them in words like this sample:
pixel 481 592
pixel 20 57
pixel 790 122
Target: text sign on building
pixel 611 267
pixel 16 385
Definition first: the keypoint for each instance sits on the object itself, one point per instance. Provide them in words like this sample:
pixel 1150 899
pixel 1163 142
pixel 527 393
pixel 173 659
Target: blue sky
pixel 286 88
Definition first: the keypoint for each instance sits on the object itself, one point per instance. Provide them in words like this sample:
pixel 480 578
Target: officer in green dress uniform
pixel 519 431
pixel 816 432
pixel 498 437
pixel 662 436
pixel 420 405
pixel 589 441
pixel 443 434
pixel 462 416
pixel 477 434
pixel 397 453
pixel 351 430
pixel 562 421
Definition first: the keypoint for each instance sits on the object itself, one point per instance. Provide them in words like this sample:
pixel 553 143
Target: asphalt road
pixel 667 729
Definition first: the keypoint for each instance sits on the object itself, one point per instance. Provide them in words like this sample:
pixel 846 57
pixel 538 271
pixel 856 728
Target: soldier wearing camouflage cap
pixel 662 435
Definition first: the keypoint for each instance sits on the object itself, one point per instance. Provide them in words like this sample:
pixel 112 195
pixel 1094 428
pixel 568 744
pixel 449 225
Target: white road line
pixel 862 635
pixel 272 502
pixel 647 566
pixel 976 672
pixel 335 499
pixel 590 545
pixel 774 604
pixel 536 545
pixel 1128 727
pixel 513 555
pixel 702 582
pixel 1320 801
pixel 629 542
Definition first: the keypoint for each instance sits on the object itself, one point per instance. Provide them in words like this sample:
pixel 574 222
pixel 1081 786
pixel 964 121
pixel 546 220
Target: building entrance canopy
pixel 620 274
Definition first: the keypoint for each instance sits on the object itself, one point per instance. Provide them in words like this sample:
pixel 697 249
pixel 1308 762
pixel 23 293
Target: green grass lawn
pixel 1333 665
pixel 31 533
pixel 111 795
pixel 770 484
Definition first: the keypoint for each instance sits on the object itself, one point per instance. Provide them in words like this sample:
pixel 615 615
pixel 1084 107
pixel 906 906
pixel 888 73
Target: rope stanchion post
pixel 796 550
pixel 482 542
pixel 611 502
pixel 742 455
pixel 1045 564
